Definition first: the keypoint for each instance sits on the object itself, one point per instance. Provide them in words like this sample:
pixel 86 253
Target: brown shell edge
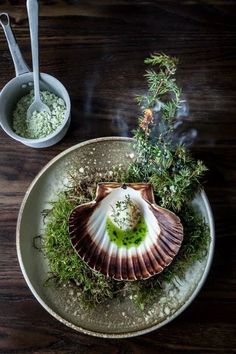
pixel 80 215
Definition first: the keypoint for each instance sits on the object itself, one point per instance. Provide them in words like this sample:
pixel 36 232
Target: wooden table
pixel 97 48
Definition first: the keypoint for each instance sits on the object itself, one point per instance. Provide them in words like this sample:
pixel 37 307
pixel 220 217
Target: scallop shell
pixel 91 241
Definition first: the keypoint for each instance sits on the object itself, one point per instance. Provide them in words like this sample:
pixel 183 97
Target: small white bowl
pixel 20 86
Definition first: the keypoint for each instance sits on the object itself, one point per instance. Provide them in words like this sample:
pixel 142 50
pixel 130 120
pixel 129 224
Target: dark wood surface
pixel 97 48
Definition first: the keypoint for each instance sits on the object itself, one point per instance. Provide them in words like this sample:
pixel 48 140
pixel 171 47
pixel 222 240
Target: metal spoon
pixel 37 105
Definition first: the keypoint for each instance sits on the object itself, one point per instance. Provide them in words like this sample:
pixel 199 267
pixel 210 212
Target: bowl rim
pixel 84 330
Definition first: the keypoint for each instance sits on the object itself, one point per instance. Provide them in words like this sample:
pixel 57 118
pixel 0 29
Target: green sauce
pixel 127 238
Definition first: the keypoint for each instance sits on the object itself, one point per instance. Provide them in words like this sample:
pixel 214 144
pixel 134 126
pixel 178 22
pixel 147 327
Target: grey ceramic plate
pixel 114 319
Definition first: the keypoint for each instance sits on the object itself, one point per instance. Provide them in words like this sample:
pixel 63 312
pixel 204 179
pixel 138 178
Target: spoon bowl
pixel 37 106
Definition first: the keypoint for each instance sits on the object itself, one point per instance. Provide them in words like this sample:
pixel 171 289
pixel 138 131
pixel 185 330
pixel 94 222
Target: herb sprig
pixel 125 213
pixel 162 161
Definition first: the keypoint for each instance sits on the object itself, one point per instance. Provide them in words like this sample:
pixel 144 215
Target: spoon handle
pixel 32 9
pixel 19 63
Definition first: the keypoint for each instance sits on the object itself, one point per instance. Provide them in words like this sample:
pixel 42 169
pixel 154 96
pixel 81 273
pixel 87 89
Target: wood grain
pixel 96 48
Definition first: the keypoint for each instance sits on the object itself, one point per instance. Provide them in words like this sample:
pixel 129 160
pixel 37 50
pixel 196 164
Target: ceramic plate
pixel 115 319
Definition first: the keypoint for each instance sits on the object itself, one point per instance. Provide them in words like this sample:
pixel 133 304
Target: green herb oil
pixel 127 238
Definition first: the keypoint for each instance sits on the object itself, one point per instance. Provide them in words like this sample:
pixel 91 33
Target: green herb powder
pixel 40 124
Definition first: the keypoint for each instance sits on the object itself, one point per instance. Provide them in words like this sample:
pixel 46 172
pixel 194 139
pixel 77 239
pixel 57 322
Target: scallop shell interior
pixel 123 233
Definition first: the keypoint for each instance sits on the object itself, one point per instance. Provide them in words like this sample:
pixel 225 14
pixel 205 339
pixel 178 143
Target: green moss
pixel 64 263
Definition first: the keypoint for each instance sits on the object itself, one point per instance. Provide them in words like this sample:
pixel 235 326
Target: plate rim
pixel 84 330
